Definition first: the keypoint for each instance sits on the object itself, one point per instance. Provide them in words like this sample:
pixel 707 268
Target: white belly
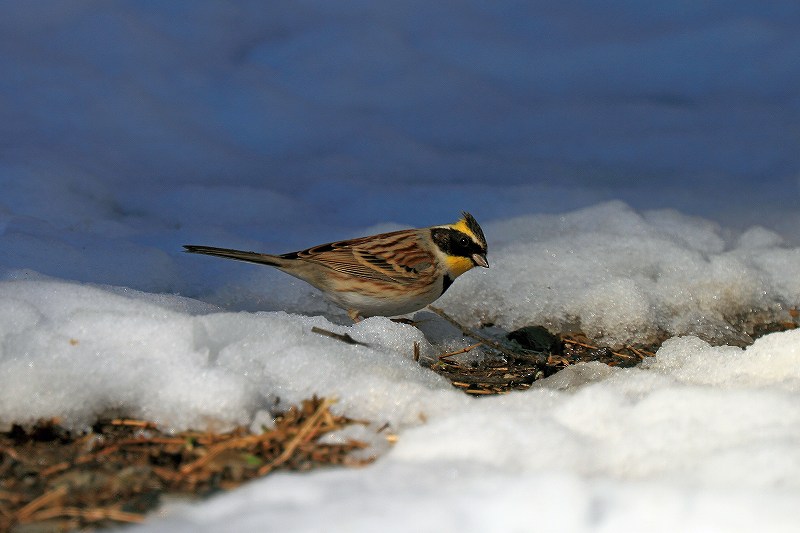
pixel 371 306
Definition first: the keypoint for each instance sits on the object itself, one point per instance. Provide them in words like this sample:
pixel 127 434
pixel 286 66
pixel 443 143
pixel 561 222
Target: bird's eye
pixel 463 241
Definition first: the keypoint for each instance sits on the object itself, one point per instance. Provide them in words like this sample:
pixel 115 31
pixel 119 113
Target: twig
pixel 131 422
pixel 34 505
pixel 539 359
pixel 582 344
pixel 589 346
pixel 643 354
pixel 166 473
pixel 90 515
pixel 153 440
pixel 467 379
pixel 58 467
pixel 11 453
pixel 307 428
pixel 241 442
pixel 344 337
pixel 462 350
pixel 11 496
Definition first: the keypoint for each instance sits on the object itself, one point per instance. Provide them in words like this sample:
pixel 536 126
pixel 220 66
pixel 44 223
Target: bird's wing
pixel 392 257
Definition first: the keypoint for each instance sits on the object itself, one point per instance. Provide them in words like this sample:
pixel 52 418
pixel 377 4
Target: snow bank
pixel 79 352
pixel 698 435
pixel 699 439
pixel 622 276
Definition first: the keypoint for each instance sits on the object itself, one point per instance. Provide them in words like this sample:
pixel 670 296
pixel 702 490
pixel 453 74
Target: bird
pixel 388 274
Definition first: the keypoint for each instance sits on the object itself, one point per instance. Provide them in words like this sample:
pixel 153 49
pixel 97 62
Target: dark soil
pixel 523 362
pixel 54 480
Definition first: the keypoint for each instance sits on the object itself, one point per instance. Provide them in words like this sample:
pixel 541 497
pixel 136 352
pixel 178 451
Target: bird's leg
pixel 354 316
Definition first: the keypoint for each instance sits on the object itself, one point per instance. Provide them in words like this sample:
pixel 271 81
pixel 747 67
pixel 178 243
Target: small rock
pixel 535 338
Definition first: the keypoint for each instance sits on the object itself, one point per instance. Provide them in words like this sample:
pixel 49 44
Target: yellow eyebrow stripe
pixel 461 226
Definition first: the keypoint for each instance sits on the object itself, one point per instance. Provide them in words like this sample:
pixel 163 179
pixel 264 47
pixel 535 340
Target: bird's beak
pixel 480 260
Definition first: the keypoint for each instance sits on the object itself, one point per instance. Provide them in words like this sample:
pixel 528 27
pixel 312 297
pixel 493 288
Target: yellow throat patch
pixel 458 265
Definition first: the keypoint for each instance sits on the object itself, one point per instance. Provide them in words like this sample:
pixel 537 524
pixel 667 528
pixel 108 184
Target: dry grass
pixel 116 473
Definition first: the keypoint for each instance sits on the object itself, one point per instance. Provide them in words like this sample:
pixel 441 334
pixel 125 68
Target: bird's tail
pixel 239 255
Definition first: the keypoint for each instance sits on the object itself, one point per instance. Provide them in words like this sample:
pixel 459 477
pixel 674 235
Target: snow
pixel 80 352
pixel 702 438
pixel 623 276
pixel 635 170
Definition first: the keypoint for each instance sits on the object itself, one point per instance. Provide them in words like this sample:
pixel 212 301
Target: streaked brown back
pixel 391 257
